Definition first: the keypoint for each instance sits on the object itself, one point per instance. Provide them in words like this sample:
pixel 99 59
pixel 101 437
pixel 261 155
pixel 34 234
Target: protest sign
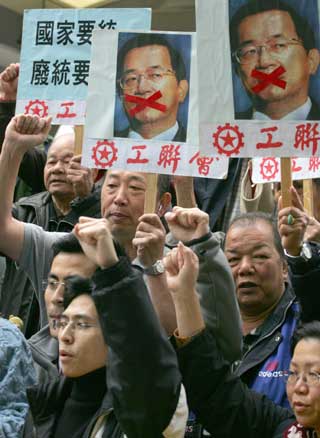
pixel 55 57
pixel 268 169
pixel 269 54
pixel 158 157
pixel 149 82
pixel 148 110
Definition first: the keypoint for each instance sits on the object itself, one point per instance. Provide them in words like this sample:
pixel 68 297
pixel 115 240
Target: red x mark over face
pixel 268 79
pixel 142 103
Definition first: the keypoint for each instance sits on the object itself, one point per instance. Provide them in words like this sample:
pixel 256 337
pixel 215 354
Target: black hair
pixel 309 330
pixel 75 286
pixel 150 39
pixel 303 28
pixel 248 219
pixel 67 243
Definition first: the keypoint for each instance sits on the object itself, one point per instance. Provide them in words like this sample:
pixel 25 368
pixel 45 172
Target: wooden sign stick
pixel 286 181
pixel 78 132
pixel 150 202
pixel 308 196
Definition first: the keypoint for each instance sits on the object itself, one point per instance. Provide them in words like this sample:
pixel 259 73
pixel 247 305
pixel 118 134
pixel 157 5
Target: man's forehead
pixel 266 24
pixel 147 56
pixel 251 236
pixel 65 264
pixel 62 146
pixel 126 176
pixel 82 306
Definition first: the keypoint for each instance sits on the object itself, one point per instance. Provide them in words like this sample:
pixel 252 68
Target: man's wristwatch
pixel 156 269
pixel 305 253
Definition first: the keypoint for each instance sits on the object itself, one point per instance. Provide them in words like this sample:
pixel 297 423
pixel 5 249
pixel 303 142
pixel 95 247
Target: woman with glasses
pixel 225 406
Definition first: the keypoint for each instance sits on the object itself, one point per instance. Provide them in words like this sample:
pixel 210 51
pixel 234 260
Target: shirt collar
pixel 169 134
pixel 300 113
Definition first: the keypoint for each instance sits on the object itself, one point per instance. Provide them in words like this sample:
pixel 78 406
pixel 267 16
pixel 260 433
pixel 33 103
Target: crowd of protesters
pixel 152 325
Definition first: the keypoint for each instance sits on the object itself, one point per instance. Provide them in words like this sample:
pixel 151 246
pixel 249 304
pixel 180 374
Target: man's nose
pixel 57 297
pixel 245 266
pixel 58 167
pixel 66 334
pixel 265 59
pixel 121 196
pixel 144 84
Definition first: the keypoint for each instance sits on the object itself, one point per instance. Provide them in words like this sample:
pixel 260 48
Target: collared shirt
pixel 300 113
pixel 169 134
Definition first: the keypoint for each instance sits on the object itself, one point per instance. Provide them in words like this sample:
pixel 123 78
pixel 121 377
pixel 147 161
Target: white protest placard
pixel 155 157
pixel 264 69
pixel 268 169
pixel 55 58
pixel 250 139
pixel 148 109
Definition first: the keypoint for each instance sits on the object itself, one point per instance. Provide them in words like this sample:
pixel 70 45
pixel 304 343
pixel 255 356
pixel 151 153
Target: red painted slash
pixel 268 79
pixel 143 103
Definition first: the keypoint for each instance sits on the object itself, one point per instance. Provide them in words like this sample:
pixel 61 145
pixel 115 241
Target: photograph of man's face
pixel 153 75
pixel 275 55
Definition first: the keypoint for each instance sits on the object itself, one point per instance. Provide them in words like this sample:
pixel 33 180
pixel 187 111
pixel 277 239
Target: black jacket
pixel 222 402
pixel 17 294
pixel 143 379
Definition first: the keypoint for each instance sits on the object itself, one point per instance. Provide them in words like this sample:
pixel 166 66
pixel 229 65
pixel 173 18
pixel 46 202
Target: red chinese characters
pixel 137 159
pixel 169 156
pixel 307 135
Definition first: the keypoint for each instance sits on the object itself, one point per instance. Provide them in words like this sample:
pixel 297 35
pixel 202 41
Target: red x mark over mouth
pixel 268 79
pixel 144 103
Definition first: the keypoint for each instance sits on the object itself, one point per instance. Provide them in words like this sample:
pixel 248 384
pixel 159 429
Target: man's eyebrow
pixel 79 316
pixel 255 248
pixel 52 275
pixel 137 179
pixel 277 35
pixel 133 70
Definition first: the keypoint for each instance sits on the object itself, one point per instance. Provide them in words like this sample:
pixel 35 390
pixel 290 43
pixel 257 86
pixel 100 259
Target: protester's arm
pixel 303 258
pixel 215 283
pixel 223 404
pixel 143 377
pixel 23 133
pixel 184 189
pixel 33 162
pixel 149 243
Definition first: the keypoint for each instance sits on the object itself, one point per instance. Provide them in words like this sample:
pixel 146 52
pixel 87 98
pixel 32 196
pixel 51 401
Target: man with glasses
pixel 148 64
pixel 269 37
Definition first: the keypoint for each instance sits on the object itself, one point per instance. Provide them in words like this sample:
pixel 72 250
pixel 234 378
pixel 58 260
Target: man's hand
pixel 292 236
pixel 9 83
pixel 82 178
pixel 182 268
pixel 96 241
pixel 149 239
pixel 187 224
pixel 26 131
pixel 313 230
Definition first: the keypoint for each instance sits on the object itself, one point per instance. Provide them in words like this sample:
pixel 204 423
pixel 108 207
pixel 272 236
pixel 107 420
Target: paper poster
pixel 147 84
pixel 55 57
pixel 268 169
pixel 156 157
pixel 269 52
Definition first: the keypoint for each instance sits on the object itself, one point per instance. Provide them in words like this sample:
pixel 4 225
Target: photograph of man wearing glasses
pixel 152 83
pixel 275 54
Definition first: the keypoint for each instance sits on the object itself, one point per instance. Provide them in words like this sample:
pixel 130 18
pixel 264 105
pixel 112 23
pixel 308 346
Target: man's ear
pixel 313 60
pixel 183 88
pixel 164 204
